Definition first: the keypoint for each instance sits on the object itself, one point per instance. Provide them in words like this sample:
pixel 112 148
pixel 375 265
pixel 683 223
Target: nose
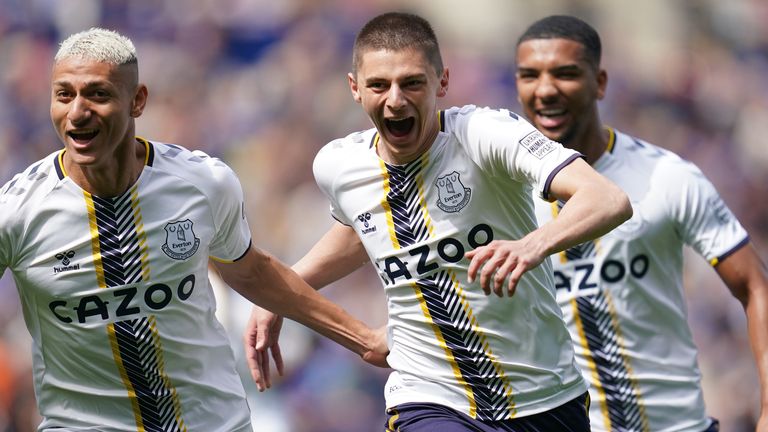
pixel 79 111
pixel 546 88
pixel 395 98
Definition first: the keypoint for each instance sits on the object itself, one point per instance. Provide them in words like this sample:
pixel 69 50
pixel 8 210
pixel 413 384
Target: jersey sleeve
pixel 503 143
pixel 702 218
pixel 5 226
pixel 232 235
pixel 324 168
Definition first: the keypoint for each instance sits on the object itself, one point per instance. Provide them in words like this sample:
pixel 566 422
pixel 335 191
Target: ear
pixel 443 89
pixel 602 83
pixel 353 87
pixel 139 101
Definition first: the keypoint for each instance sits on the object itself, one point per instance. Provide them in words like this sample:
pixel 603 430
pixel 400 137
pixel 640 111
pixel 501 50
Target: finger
pixel 253 364
pixel 277 356
pixel 501 276
pixel 514 278
pixel 486 275
pixel 265 372
pixel 478 258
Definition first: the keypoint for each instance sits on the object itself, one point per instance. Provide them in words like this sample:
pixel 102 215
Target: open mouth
pixel 551 117
pixel 400 128
pixel 83 136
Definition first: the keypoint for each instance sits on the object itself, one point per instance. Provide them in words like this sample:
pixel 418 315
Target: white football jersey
pixel 115 293
pixel 622 295
pixel 489 357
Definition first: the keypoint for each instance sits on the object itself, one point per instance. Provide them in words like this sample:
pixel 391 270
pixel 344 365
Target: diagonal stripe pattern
pixel 622 403
pixel 136 345
pixel 142 361
pixel 404 202
pixel 118 240
pixel 487 389
pixel 624 410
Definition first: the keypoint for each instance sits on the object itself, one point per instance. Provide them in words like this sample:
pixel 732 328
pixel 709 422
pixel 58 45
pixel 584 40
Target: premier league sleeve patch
pixel 537 144
pixel 180 240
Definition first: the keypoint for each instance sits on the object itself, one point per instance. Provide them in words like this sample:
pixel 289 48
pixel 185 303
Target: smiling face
pixel 93 106
pixel 559 89
pixel 399 91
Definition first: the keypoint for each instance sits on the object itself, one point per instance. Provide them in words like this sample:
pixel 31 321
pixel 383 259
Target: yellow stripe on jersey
pixel 595 381
pixel 163 375
pixel 94 228
pixel 611 139
pixel 140 234
pixel 385 203
pixel 124 376
pixel 625 357
pixel 486 347
pixel 448 353
pixel 422 199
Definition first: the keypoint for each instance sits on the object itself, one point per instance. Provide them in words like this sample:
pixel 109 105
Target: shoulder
pixel 464 116
pixel 207 173
pixel 343 151
pixel 35 182
pixel 662 164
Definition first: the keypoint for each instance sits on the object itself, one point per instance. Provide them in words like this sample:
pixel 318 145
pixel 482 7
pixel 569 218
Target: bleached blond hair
pixel 98 44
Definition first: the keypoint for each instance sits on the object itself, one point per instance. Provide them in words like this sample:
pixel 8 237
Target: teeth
pixel 87 132
pixel 552 112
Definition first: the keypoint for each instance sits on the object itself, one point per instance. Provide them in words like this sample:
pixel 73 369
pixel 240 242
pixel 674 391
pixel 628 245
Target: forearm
pixel 272 285
pixel 585 216
pixel 756 309
pixel 338 253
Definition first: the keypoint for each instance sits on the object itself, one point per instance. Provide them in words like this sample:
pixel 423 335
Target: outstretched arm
pixel 265 281
pixel 594 206
pixel 338 253
pixel 745 275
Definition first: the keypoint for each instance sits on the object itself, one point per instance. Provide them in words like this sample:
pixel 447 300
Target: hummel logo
pixel 65 262
pixel 364 218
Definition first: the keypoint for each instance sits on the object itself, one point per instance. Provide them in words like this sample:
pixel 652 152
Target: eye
pixel 101 94
pixel 62 94
pixel 526 75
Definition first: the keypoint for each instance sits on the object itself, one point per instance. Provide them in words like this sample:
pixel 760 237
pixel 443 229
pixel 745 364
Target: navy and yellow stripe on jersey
pixel 440 294
pixel 120 258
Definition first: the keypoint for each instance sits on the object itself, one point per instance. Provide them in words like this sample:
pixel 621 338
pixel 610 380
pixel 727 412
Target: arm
pixel 338 253
pixel 745 275
pixel 594 206
pixel 267 282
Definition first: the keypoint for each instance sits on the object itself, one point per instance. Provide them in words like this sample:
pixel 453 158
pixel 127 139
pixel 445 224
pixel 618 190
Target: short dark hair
pixel 397 31
pixel 567 27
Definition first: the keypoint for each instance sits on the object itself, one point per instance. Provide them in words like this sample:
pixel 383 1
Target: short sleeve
pixel 702 217
pixel 232 235
pixel 503 143
pixel 324 169
pixel 8 211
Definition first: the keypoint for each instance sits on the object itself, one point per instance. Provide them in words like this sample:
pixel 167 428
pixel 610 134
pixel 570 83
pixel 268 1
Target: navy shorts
pixel 417 417
pixel 715 426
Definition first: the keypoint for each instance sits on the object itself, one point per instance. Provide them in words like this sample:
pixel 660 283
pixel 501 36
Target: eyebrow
pixel 405 78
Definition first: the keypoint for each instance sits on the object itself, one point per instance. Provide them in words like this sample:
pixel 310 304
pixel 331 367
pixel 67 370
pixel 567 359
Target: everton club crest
pixel 180 240
pixel 452 195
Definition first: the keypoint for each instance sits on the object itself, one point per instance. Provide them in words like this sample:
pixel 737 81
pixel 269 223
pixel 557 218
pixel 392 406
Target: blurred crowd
pixel 262 85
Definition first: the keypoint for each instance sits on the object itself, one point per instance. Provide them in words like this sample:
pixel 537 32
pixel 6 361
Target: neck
pixel 592 142
pixel 111 177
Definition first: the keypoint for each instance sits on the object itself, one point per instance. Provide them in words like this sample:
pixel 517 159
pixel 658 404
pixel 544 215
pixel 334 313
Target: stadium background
pixel 261 84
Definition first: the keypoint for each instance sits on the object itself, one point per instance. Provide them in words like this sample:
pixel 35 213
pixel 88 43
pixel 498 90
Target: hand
pixel 762 422
pixel 501 259
pixel 378 355
pixel 260 338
